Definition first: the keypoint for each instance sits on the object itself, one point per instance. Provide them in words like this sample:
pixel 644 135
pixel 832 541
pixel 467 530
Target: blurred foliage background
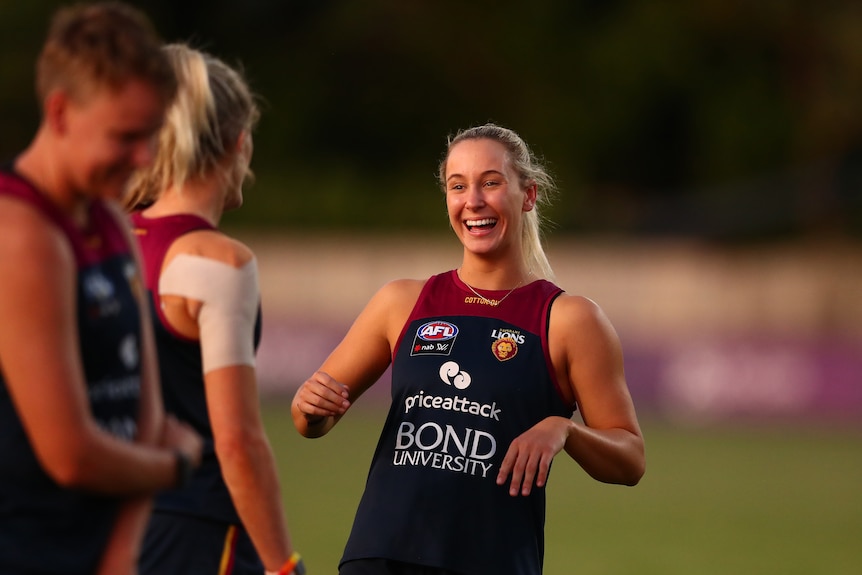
pixel 722 119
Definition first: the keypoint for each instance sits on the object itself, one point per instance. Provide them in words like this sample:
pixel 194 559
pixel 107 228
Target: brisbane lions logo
pixel 504 348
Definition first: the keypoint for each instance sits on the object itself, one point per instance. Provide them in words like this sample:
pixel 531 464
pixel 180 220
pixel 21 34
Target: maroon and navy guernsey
pixel 467 378
pixel 45 528
pixel 181 373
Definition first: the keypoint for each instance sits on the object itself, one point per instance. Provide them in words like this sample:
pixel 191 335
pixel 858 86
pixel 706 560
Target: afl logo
pixel 434 338
pixel 437 331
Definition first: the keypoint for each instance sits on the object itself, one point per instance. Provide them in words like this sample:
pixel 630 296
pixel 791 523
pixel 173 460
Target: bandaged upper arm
pixel 229 298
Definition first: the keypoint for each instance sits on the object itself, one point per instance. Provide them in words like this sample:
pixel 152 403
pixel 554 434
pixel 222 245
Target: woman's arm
pixel 609 446
pixel 247 460
pixel 39 343
pixel 154 428
pixel 357 362
pixel 209 291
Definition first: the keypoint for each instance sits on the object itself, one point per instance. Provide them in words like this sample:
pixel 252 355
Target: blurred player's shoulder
pixel 215 245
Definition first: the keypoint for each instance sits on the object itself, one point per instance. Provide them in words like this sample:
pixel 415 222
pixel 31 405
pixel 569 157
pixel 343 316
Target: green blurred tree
pixel 655 115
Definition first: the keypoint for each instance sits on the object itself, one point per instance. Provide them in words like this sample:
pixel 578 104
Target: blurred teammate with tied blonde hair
pixel 205 299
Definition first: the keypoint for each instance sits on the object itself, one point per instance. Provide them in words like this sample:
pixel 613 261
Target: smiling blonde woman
pixel 489 362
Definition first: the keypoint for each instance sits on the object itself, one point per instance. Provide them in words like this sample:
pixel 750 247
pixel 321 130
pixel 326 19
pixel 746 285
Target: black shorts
pixel 388 567
pixel 177 544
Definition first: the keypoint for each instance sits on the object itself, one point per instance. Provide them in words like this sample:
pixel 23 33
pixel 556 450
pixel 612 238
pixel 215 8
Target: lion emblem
pixel 504 348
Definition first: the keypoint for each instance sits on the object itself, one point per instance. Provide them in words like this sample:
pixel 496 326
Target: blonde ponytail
pixel 212 108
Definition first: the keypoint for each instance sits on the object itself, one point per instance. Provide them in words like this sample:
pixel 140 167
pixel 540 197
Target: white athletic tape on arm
pixel 230 298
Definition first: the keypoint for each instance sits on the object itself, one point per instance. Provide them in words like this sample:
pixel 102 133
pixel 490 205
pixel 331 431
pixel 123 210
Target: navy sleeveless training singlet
pixel 467 378
pixel 181 371
pixel 44 527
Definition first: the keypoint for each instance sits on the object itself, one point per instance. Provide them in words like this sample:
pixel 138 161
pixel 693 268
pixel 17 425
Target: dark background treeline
pixel 726 119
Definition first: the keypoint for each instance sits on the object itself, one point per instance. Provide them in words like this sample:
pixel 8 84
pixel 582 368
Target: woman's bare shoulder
pixel 397 296
pixel 403 288
pixel 576 308
pixel 214 245
pixel 28 236
pixel 578 319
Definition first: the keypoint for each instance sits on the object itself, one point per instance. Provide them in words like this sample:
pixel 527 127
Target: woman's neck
pixel 494 275
pixel 48 177
pixel 202 199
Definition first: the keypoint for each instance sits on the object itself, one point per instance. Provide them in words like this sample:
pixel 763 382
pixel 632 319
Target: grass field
pixel 721 500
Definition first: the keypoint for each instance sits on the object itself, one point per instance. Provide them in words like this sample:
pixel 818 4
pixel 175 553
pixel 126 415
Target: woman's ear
pixel 244 144
pixel 530 194
pixel 241 157
pixel 56 108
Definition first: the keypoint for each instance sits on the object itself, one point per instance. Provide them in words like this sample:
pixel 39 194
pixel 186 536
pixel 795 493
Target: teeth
pixel 484 222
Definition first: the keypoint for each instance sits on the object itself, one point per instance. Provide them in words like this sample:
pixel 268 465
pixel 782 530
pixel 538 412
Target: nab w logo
pixel 434 338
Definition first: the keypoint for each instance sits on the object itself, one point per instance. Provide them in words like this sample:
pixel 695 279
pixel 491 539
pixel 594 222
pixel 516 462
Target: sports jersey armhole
pixel 552 373
pixel 410 318
pixel 156 236
pixel 156 302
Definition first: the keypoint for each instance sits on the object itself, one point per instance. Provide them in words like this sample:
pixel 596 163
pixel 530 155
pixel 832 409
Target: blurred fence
pixel 708 333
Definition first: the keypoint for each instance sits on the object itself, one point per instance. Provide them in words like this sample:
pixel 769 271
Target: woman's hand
pixel 529 457
pixel 321 396
pixel 316 400
pixel 182 437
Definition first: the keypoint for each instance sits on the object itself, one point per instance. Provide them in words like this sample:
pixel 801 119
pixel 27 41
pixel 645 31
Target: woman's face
pixel 484 196
pixel 109 135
